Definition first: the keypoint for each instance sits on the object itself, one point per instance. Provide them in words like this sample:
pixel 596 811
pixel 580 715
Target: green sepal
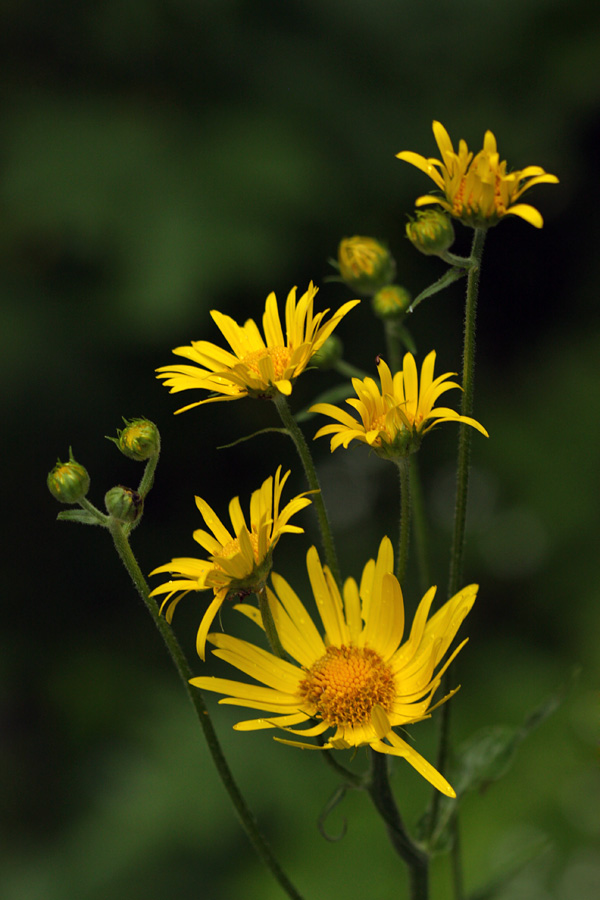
pixel 445 281
pixel 481 760
pixel 79 515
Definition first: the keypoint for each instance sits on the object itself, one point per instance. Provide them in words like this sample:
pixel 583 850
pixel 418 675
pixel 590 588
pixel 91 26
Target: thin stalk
pixel 245 815
pixel 405 515
pixel 148 477
pixel 269 625
pixel 419 524
pixel 460 515
pixel 394 344
pixel 465 431
pixel 415 858
pixel 295 432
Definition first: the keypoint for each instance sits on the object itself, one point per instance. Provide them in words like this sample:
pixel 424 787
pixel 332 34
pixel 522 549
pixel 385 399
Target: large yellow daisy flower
pixel 359 678
pixel 477 189
pixel 254 366
pixel 393 417
pixel 240 560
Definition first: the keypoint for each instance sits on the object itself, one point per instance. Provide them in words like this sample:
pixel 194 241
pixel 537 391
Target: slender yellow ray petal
pixel 259 664
pixel 424 768
pixel 528 213
pixel 352 609
pixel 280 722
pixel 272 323
pixel 206 622
pixel 236 515
pixel 207 541
pixel 282 709
pixel 302 746
pixel 299 616
pixel 409 648
pixel 237 689
pixel 213 522
pixel 329 610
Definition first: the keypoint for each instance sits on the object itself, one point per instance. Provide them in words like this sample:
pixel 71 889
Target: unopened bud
pixel 431 232
pixel 124 504
pixel 365 264
pixel 139 440
pixel 391 302
pixel 68 482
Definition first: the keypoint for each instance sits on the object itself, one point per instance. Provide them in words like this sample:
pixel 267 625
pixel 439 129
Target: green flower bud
pixel 365 264
pixel 330 353
pixel 391 302
pixel 68 482
pixel 431 232
pixel 139 440
pixel 124 504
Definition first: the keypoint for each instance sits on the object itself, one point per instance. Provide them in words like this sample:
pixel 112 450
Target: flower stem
pixel 405 513
pixel 419 524
pixel 148 477
pixel 460 515
pixel 295 432
pixel 383 799
pixel 246 817
pixel 464 439
pixel 269 624
pixel 393 343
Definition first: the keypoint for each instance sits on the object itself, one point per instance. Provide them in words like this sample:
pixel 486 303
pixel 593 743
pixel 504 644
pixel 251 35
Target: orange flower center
pixel 280 357
pixel 346 683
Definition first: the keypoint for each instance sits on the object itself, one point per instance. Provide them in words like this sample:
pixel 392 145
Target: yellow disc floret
pixel 346 683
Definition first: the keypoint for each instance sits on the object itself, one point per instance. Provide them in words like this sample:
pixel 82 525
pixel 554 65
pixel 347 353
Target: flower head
pixel 365 264
pixel 477 189
pixel 395 416
pixel 358 679
pixel 68 482
pixel 240 560
pixel 254 366
pixel 139 439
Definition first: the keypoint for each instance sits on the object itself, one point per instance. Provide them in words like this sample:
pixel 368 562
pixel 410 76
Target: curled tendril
pixel 335 800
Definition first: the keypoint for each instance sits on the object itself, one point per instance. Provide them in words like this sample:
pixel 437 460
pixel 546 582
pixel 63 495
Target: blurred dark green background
pixel 157 160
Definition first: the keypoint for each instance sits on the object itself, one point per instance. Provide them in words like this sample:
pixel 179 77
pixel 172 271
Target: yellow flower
pixel 255 367
pixel 239 561
pixel 478 190
pixel 358 679
pixel 396 415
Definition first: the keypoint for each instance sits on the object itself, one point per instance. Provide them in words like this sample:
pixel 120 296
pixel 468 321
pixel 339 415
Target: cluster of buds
pixel 69 482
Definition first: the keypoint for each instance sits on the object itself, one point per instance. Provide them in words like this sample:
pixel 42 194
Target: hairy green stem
pixel 246 817
pixel 148 477
pixel 415 858
pixel 405 515
pixel 460 516
pixel 295 432
pixel 269 625
pixel 465 431
pixel 419 524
